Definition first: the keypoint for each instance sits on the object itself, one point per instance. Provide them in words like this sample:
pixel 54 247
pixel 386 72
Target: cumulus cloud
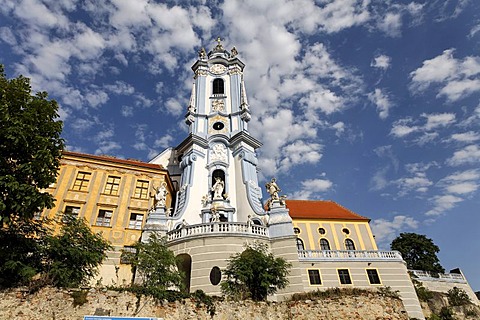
pixel 429 129
pixel 381 62
pixel 453 78
pixel 443 203
pixel 312 187
pixel 467 155
pixel 385 231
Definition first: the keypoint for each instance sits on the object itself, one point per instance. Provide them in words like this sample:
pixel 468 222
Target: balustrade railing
pixel 348 255
pixel 217 228
pixel 426 275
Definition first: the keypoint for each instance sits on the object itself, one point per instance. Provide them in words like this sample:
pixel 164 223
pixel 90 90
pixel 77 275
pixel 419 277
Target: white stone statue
pixel 273 189
pixel 218 188
pixel 161 195
pixel 215 215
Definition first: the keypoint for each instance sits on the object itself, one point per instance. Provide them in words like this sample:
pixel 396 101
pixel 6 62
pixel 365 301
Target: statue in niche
pixel 161 195
pixel 273 189
pixel 218 188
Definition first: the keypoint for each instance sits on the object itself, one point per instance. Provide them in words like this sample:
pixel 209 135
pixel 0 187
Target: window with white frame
pixel 141 189
pixel 104 218
pixel 136 220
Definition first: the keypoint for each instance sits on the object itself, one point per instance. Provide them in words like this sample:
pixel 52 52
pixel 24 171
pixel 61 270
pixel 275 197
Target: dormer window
pixel 218 87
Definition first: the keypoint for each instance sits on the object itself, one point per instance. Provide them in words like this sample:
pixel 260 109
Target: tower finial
pixel 219 44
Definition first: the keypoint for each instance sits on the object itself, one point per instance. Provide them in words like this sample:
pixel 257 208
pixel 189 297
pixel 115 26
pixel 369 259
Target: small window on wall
pixel 322 231
pixel 314 277
pixel 300 245
pixel 218 87
pixel 296 230
pixel 71 211
pixel 324 244
pixel 135 222
pixel 349 245
pixel 215 276
pixel 112 185
pixel 81 182
pixel 141 189
pixel 373 276
pixel 344 276
pixel 104 218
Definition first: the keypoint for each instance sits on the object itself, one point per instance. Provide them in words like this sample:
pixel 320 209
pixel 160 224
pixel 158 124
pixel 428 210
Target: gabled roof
pixel 134 163
pixel 321 209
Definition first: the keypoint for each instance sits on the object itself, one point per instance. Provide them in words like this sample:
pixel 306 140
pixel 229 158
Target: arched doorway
pixel 184 265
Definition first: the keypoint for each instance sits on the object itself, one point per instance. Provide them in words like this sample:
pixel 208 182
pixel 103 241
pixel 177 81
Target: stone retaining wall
pixel 54 304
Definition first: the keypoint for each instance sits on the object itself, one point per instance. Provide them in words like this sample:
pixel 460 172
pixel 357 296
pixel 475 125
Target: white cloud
pixel 468 155
pixel 127 111
pixel 456 78
pixel 299 152
pixel 381 62
pixel 382 101
pixel 417 183
pixel 467 137
pixel 385 231
pixel 391 24
pixel 400 130
pixel 311 187
pixel 443 203
pixel 163 142
pixel 379 180
pixel 435 120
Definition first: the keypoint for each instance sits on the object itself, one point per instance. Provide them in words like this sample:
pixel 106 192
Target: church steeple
pixel 217 160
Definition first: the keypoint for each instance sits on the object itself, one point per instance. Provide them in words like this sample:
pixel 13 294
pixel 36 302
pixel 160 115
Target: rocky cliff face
pixel 54 304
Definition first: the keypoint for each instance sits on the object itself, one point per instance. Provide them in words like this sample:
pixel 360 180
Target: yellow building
pixel 114 196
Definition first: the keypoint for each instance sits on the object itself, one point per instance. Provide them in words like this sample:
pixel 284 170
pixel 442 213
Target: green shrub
pixel 458 297
pixel 423 293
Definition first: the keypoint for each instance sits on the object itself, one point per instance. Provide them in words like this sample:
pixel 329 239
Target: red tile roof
pixel 311 209
pixel 114 160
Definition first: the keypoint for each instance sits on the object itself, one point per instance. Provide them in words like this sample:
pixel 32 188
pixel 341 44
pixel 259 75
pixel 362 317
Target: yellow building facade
pixel 114 196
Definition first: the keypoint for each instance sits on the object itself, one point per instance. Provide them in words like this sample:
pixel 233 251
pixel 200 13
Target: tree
pixel 418 251
pixel 155 263
pixel 74 255
pixel 21 252
pixel 255 273
pixel 30 148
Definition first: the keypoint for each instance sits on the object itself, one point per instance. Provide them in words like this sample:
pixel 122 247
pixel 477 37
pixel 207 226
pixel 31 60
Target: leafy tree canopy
pixel 30 254
pixel 255 273
pixel 418 251
pixel 74 255
pixel 155 263
pixel 30 148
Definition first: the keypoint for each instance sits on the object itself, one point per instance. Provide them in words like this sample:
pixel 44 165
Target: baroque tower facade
pixel 218 206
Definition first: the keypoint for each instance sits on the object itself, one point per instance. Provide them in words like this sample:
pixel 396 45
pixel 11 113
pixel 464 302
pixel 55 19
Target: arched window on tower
pixel 349 245
pixel 324 244
pixel 218 87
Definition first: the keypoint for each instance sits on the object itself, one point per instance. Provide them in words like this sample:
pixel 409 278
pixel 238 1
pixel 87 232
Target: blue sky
pixel 373 104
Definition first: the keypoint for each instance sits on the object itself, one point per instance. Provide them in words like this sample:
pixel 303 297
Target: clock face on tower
pixel 217 124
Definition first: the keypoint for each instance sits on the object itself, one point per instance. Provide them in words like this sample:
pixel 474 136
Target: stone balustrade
pixel 432 276
pixel 352 255
pixel 218 228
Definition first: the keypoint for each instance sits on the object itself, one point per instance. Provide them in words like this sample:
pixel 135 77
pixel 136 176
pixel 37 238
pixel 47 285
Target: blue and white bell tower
pixel 217 162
